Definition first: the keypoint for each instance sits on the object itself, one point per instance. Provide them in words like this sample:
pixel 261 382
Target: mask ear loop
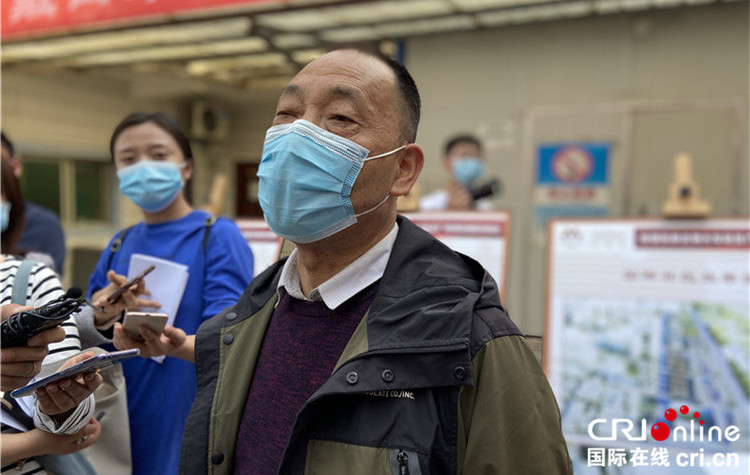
pixel 374 207
pixel 357 215
pixel 385 154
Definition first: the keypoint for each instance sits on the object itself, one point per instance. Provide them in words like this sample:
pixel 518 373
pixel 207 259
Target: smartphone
pixel 132 283
pixel 88 366
pixel 153 321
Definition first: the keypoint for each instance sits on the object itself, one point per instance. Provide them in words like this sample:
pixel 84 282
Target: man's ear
pixel 448 165
pixel 409 166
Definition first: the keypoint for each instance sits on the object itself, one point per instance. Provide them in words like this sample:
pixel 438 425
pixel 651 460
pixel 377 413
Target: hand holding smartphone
pixel 130 284
pixel 153 321
pixel 88 366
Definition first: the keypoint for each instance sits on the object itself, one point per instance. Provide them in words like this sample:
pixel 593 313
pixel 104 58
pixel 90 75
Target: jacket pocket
pixel 333 458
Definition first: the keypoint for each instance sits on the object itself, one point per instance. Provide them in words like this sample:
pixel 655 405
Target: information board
pixel 647 343
pixel 262 241
pixel 482 236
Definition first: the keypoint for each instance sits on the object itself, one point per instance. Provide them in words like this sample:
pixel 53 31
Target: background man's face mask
pixel 467 170
pixel 306 177
pixel 150 184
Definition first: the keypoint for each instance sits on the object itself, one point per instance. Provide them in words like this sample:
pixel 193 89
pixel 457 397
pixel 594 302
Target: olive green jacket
pixel 435 379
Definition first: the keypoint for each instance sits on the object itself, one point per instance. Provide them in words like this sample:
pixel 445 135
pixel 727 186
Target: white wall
pixel 651 84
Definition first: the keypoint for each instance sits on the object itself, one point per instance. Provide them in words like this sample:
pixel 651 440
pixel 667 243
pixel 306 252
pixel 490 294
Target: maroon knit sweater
pixel 302 345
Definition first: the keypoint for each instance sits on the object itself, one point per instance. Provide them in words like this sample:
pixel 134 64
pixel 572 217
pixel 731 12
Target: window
pixel 78 190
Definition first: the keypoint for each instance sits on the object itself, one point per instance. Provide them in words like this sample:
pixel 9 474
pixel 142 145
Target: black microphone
pixel 492 187
pixel 73 293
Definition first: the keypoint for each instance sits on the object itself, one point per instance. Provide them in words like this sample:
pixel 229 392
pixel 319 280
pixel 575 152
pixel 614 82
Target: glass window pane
pixel 40 183
pixel 91 185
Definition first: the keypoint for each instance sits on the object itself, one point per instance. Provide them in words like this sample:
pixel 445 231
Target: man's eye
pixel 341 118
pixel 159 155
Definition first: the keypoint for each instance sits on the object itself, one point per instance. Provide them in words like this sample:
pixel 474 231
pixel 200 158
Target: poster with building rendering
pixel 647 344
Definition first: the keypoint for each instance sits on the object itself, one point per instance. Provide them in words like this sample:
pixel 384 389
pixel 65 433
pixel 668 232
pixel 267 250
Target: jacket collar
pixel 426 295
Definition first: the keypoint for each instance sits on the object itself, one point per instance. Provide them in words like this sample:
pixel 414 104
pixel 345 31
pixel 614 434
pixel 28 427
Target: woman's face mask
pixel 306 177
pixel 152 185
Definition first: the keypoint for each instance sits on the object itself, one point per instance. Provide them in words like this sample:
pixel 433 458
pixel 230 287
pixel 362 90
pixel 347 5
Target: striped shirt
pixel 43 287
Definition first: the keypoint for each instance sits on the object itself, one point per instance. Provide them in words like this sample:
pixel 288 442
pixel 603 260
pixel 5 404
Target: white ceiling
pixel 265 44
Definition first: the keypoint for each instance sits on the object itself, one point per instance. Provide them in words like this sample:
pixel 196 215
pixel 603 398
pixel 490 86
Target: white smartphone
pixel 153 321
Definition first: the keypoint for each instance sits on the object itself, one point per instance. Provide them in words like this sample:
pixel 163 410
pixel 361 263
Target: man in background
pixel 464 163
pixel 42 232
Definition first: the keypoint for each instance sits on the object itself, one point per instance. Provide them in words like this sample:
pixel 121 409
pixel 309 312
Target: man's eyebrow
pixel 291 90
pixel 343 92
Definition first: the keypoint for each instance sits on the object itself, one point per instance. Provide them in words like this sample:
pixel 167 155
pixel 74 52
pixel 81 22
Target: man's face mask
pixel 306 177
pixel 467 170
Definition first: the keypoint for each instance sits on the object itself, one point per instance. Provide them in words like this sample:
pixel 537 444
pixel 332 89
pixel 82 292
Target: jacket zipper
pixel 403 462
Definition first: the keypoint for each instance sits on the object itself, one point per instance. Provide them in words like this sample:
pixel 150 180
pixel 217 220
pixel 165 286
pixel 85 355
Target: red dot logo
pixel 684 409
pixel 670 414
pixel 696 414
pixel 660 431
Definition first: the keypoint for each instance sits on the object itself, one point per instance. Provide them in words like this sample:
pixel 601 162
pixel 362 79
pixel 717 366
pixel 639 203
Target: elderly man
pixel 373 348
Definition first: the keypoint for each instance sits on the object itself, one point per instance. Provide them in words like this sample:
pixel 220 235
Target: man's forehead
pixel 347 74
pixel 335 91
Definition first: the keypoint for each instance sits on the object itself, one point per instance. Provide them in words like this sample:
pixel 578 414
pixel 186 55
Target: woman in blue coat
pixel 153 160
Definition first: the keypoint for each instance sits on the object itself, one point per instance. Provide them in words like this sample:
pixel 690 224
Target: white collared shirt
pixel 368 268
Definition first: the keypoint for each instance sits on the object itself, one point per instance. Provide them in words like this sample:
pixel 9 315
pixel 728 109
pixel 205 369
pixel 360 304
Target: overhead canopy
pixel 33 17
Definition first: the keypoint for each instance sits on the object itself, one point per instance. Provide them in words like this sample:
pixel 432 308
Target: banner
pixel 646 345
pixel 262 241
pixel 28 17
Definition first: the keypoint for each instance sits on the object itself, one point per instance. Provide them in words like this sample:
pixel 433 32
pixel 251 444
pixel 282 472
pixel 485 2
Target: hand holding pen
pixel 120 295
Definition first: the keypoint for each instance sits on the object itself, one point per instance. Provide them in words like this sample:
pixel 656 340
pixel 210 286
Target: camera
pixel 19 327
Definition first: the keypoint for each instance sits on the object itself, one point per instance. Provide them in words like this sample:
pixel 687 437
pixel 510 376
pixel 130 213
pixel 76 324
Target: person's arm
pixel 229 268
pixel 172 342
pixel 65 406
pixel 15 447
pixel 509 421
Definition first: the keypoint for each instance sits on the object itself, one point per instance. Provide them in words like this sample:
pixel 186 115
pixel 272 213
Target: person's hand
pixel 154 344
pixel 104 311
pixel 67 443
pixel 21 363
pixel 61 397
pixel 459 197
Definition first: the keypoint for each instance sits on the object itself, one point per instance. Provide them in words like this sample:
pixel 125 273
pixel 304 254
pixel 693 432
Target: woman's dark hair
pixel 12 191
pixel 165 122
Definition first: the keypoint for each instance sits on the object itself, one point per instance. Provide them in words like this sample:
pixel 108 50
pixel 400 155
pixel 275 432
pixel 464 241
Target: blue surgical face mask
pixel 305 181
pixel 467 169
pixel 5 215
pixel 152 185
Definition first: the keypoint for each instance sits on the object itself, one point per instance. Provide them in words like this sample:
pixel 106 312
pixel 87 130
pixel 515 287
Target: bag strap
pixel 117 244
pixel 21 282
pixel 207 225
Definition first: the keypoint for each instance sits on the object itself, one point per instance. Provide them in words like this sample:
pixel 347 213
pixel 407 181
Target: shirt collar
pixel 368 268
